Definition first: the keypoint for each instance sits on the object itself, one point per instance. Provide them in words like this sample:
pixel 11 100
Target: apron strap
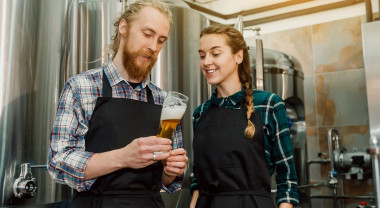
pixel 239 192
pixel 96 198
pixel 107 90
pixel 123 193
pixel 149 94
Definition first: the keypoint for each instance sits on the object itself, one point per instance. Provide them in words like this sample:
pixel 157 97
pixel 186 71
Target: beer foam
pixel 175 112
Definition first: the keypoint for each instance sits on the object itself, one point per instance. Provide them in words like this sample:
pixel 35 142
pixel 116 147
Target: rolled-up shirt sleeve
pixel 282 155
pixel 173 187
pixel 67 158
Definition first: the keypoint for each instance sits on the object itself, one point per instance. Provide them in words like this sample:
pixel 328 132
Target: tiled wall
pixel 331 56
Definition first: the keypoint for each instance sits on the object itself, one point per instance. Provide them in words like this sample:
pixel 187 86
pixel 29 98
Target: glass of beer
pixel 172 111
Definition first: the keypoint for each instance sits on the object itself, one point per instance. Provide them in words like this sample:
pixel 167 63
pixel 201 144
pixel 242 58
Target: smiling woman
pixel 214 54
pixel 241 134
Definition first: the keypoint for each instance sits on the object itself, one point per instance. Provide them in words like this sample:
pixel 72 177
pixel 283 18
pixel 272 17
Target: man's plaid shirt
pixel 67 157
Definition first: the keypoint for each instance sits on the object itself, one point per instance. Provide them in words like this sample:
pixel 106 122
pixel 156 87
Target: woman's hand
pixel 285 205
pixel 194 199
pixel 174 165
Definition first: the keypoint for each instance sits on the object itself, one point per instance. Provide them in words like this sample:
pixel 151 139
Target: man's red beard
pixel 134 71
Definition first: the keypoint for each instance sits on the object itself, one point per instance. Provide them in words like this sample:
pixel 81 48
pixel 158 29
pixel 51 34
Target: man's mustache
pixel 148 54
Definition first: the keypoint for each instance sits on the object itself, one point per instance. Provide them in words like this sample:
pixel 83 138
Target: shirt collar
pixel 230 101
pixel 114 76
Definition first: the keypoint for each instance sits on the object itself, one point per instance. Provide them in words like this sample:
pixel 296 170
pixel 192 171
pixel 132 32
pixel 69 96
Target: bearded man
pixel 102 142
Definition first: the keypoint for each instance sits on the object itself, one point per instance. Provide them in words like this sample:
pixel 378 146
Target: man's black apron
pixel 231 170
pixel 115 123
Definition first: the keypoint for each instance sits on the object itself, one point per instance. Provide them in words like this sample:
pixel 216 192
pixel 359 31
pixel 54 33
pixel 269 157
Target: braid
pixel 235 40
pixel 249 131
pixel 246 80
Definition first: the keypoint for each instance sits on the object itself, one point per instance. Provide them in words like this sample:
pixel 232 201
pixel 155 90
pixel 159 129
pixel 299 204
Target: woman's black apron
pixel 231 170
pixel 115 123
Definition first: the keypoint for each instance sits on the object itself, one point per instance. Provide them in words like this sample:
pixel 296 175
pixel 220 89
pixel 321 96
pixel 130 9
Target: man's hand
pixel 139 153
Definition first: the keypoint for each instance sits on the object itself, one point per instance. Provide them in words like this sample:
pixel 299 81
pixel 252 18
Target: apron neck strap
pixel 107 90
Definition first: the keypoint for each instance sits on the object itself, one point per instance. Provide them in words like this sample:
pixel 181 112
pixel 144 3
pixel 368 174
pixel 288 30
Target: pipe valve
pixel 25 186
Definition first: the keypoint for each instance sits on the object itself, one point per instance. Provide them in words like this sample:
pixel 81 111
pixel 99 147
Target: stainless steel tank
pixel 283 76
pixel 371 44
pixel 30 60
pixel 43 43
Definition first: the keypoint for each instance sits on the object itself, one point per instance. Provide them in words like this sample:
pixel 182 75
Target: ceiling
pixel 228 6
pixel 256 12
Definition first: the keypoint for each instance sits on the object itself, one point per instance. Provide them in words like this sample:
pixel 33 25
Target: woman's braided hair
pixel 236 42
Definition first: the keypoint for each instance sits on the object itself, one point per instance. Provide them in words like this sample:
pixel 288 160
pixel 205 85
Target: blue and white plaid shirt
pixel 67 157
pixel 278 146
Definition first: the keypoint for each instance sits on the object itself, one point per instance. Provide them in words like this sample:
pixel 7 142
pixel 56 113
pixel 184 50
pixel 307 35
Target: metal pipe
pixel 368 10
pixel 39 166
pixel 123 5
pixel 259 60
pixel 374 151
pixel 335 194
pixel 343 203
pixel 321 161
pixel 342 197
pixel 310 162
pixel 332 180
pixel 313 185
pixel 331 151
pixel 239 24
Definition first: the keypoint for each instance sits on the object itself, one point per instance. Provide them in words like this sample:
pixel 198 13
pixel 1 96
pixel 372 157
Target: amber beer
pixel 170 118
pixel 173 109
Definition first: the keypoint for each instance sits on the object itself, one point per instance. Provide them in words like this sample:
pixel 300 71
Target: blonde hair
pixel 236 42
pixel 129 14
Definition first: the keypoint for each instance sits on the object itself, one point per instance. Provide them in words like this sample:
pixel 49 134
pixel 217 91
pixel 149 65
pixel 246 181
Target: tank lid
pixel 278 62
